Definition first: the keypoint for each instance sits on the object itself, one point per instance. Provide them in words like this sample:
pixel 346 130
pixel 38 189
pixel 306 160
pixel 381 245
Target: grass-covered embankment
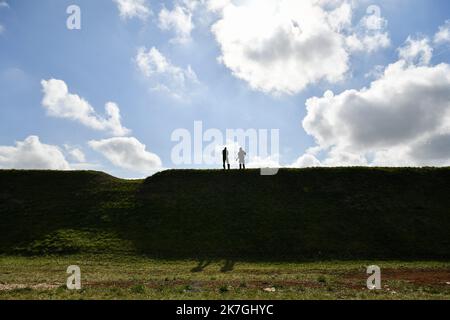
pixel 337 213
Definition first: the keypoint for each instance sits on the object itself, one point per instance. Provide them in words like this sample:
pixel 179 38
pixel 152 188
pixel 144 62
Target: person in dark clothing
pixel 226 161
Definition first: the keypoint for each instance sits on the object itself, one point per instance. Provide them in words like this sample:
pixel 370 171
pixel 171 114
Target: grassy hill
pixel 336 213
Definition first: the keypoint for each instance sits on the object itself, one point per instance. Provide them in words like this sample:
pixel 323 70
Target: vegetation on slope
pixel 336 213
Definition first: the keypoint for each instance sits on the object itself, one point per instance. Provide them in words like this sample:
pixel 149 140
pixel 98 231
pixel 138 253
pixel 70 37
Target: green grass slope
pixel 336 213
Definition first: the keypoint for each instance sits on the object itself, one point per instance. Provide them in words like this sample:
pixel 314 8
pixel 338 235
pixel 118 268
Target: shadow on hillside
pixel 177 220
pixel 297 215
pixel 357 213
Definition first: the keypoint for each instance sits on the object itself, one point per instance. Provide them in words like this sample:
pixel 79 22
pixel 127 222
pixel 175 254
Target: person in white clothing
pixel 241 157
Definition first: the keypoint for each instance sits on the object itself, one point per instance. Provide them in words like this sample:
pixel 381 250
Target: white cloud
pixel 376 72
pixel 2 29
pixel 284 46
pixel 416 51
pixel 306 161
pixel 373 20
pixel 217 5
pixel 403 118
pixel 75 153
pixel 272 161
pixel 179 20
pixel 32 154
pixel 129 9
pixel 165 76
pixel 337 157
pixel 443 35
pixel 280 47
pixel 127 153
pixel 368 42
pixel 61 104
pixel 370 34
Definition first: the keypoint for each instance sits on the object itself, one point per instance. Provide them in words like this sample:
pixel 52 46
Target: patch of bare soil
pixel 427 277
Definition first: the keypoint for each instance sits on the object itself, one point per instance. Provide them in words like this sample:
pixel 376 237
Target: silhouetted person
pixel 226 160
pixel 241 157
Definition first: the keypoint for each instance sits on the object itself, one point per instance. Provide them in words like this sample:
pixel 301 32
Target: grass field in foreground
pixel 131 277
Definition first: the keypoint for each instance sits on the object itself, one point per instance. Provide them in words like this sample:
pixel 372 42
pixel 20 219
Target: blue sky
pixel 98 64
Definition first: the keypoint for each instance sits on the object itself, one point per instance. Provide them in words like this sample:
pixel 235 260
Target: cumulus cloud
pixel 416 51
pixel 75 153
pixel 179 20
pixel 368 42
pixel 306 161
pixel 370 34
pixel 280 47
pixel 376 72
pixel 403 118
pixel 443 35
pixel 284 46
pixel 32 154
pixel 127 153
pixel 129 9
pixel 165 76
pixel 256 162
pixel 62 104
pixel 217 5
